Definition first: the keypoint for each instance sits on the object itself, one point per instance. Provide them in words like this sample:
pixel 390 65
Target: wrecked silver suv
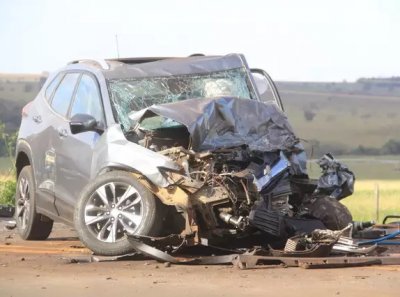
pixel 197 148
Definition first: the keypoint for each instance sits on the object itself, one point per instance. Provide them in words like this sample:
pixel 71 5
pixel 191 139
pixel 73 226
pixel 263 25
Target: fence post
pixel 377 198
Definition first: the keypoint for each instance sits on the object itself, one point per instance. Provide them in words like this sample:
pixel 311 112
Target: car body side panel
pixel 114 150
pixel 73 163
pixel 35 134
pixel 44 199
pixel 74 157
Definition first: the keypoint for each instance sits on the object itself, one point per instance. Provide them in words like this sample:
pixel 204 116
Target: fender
pixel 23 147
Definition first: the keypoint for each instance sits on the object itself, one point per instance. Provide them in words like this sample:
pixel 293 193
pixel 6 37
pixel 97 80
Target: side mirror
pixel 83 122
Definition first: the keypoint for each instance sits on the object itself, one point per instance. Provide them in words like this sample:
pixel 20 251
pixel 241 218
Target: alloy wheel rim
pixel 113 209
pixel 23 203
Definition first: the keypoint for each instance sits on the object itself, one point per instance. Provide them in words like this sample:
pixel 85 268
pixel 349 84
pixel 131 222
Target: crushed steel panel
pixel 228 122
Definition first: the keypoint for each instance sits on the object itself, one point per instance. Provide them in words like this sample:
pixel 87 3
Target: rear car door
pixel 45 148
pixel 59 106
pixel 75 151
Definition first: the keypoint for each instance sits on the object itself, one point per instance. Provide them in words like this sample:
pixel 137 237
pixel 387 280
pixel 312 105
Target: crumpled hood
pixel 227 122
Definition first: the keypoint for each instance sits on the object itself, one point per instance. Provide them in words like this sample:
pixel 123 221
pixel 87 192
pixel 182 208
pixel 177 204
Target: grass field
pixel 7 189
pixel 343 120
pixel 6 177
pixel 365 167
pixel 5 165
pixel 362 203
pixel 370 172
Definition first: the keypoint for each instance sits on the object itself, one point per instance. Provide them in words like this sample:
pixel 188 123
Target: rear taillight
pixel 25 109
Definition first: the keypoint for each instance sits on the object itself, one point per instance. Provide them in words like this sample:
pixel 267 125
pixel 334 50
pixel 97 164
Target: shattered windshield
pixel 133 94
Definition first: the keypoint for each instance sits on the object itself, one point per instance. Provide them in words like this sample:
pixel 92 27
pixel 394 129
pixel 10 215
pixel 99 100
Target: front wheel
pixel 333 214
pixel 115 203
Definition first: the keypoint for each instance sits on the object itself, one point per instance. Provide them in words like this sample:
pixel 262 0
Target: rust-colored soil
pixel 44 269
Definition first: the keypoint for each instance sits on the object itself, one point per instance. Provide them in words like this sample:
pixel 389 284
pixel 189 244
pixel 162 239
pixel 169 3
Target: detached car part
pixel 247 261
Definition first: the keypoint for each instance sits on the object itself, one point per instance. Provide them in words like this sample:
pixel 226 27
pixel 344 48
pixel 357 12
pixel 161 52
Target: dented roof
pixel 122 69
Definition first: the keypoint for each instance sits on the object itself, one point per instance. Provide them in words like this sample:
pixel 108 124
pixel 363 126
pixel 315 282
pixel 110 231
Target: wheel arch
pixel 116 167
pixel 172 195
pixel 23 156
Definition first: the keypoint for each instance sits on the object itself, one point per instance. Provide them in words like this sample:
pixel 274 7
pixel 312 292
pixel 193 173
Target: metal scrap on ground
pixel 321 249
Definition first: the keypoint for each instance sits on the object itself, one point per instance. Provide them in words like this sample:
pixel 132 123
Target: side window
pixel 51 87
pixel 63 94
pixel 264 88
pixel 87 99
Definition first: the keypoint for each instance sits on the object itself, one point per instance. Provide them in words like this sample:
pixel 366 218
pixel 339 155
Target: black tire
pixel 333 214
pixel 151 212
pixel 30 224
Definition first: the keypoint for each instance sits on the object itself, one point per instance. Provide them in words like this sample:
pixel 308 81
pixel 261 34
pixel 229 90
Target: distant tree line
pixel 10 119
pixel 7 142
pixel 369 83
pixel 379 79
pixel 10 114
pixel 391 147
pixel 317 148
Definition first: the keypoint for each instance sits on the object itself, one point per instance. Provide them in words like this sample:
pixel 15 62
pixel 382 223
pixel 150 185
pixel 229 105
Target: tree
pixel 392 147
pixel 7 142
pixel 309 115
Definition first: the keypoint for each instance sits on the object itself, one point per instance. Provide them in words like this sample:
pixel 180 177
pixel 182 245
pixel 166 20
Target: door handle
pixel 37 119
pixel 62 132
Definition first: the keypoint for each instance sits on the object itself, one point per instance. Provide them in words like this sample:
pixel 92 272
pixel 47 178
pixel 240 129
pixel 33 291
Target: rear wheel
pixel 110 206
pixel 30 224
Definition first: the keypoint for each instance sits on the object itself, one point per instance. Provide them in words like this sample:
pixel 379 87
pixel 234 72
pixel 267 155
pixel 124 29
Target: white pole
pixel 377 201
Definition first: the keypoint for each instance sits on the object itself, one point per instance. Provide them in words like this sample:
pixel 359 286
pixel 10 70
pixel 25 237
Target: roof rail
pixel 100 63
pixel 139 60
pixel 147 59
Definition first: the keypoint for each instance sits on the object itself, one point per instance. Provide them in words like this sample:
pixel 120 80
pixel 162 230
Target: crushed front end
pixel 241 170
pixel 243 175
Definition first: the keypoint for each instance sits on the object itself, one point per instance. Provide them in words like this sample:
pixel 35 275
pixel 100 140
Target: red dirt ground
pixel 44 269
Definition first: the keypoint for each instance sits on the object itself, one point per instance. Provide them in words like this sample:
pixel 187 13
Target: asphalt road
pixel 47 268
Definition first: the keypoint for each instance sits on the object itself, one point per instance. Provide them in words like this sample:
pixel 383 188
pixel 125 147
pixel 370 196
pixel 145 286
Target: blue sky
pixel 293 40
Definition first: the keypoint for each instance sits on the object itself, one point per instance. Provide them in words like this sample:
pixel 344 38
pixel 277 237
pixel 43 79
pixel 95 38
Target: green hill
pixel 342 121
pixel 332 116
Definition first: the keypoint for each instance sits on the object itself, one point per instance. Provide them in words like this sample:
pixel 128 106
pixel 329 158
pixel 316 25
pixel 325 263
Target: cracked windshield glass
pixel 133 94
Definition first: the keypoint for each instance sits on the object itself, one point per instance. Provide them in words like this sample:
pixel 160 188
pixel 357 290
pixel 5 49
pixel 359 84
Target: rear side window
pixel 87 99
pixel 51 87
pixel 62 96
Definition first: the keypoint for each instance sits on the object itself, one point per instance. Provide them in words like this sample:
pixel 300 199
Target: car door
pixel 37 133
pixel 75 151
pixel 51 115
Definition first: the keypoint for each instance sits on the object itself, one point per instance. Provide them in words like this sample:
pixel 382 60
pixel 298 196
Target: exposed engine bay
pixel 242 174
